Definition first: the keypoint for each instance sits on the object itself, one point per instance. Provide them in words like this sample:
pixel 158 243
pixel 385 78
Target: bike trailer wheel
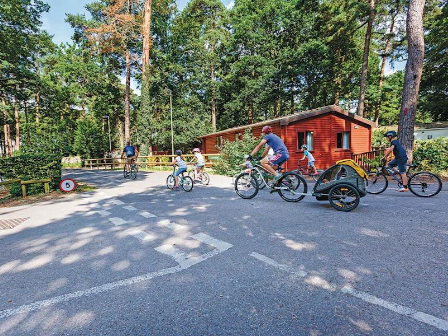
pixel 170 181
pixel 293 187
pixel 246 186
pixel 344 197
pixel 187 183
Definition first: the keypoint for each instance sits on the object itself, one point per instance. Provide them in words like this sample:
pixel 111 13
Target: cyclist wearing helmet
pixel 200 163
pixel 400 159
pixel 130 152
pixel 181 165
pixel 281 153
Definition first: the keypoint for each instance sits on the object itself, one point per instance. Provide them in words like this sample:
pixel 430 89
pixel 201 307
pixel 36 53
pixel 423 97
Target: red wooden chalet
pixel 330 133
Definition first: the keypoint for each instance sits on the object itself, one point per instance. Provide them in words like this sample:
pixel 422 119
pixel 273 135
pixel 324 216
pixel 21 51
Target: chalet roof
pixel 286 120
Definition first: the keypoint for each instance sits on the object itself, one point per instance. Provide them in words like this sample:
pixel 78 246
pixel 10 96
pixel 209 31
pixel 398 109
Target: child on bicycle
pixel 400 160
pixel 200 163
pixel 181 165
pixel 247 163
pixel 310 157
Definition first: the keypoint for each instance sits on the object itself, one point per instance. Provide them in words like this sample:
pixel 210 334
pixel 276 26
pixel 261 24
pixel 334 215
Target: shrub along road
pixel 133 257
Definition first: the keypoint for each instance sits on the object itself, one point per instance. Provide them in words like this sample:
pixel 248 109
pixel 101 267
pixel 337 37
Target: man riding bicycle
pixel 280 156
pixel 131 154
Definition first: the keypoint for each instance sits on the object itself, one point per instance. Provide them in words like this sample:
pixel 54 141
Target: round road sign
pixel 67 185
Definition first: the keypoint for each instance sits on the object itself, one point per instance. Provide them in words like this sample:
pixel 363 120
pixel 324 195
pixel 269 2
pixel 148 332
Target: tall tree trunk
pixel 6 130
pixel 383 65
pixel 365 63
pixel 276 106
pixel 250 113
pixel 413 75
pixel 147 41
pixel 28 140
pixel 292 95
pixel 213 93
pixel 339 81
pixel 127 99
pixel 37 106
pixel 16 115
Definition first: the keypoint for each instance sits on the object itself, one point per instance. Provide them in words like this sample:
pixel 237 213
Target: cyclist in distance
pixel 131 154
pixel 400 159
pixel 281 153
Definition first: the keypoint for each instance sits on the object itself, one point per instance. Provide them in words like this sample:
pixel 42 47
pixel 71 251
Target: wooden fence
pixel 144 161
pixel 365 159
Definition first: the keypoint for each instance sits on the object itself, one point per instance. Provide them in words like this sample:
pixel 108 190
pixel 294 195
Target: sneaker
pixel 177 188
pixel 276 178
pixel 403 189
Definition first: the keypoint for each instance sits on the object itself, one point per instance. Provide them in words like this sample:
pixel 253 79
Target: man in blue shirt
pixel 130 152
pixel 281 153
pixel 400 160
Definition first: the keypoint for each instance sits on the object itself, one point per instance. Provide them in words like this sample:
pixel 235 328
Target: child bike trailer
pixel 342 184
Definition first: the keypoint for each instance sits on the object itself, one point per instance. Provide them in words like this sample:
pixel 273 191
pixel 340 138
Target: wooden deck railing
pixel 144 161
pixel 364 159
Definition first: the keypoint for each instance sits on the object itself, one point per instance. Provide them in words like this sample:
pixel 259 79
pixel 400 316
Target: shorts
pixel 199 166
pixel 180 171
pixel 400 163
pixel 132 157
pixel 278 158
pixel 311 164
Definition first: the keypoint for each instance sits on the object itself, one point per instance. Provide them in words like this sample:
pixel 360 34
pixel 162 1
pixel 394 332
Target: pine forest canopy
pixel 220 68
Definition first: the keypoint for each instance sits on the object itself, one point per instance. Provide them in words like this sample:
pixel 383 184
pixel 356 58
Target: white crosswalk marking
pixel 117 221
pixel 115 201
pixel 103 213
pixel 179 256
pixel 141 235
pixel 218 244
pixel 146 214
pixel 130 208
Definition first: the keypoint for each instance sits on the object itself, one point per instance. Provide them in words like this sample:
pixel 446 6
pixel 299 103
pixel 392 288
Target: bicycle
pixel 131 171
pixel 422 184
pixel 305 172
pixel 203 176
pixel 185 181
pixel 291 186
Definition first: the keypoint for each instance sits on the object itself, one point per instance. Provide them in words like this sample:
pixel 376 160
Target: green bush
pixel 432 155
pixel 31 167
pixel 232 154
pixel 90 142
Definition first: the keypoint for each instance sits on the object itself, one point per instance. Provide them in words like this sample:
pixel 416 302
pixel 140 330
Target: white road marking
pixel 141 235
pixel 117 221
pixel 218 244
pixel 115 201
pixel 402 310
pixel 179 256
pixel 272 262
pixel 130 208
pixel 112 285
pixel 146 214
pixel 103 213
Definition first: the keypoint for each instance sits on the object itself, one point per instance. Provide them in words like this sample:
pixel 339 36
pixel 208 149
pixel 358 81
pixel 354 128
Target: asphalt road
pixel 134 258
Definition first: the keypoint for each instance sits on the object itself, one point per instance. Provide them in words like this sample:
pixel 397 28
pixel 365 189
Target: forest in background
pixel 219 67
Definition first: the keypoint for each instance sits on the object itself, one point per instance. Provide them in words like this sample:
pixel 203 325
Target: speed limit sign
pixel 67 185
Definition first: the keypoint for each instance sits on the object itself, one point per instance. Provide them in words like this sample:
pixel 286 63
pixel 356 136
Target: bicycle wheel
pixel 191 173
pixel 125 172
pixel 344 197
pixel 205 178
pixel 187 183
pixel 376 183
pixel 292 186
pixel 425 184
pixel 134 171
pixel 257 174
pixel 246 186
pixel 170 181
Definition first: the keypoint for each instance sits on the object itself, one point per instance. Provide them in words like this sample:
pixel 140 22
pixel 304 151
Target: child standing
pixel 310 157
pixel 181 165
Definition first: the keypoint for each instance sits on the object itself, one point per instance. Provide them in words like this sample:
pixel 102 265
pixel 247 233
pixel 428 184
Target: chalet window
pixel 343 140
pixel 305 138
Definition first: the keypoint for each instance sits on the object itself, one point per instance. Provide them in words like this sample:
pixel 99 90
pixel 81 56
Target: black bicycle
pixel 130 170
pixel 422 184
